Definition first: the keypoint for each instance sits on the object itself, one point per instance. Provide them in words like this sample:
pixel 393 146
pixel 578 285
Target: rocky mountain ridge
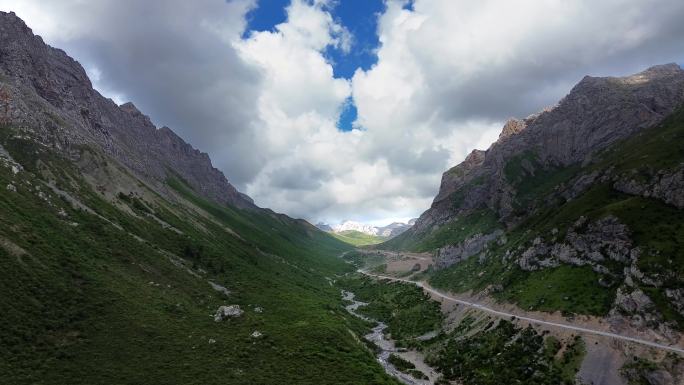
pixel 48 94
pixel 597 113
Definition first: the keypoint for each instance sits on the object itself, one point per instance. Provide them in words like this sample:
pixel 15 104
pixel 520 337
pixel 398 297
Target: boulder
pixel 256 334
pixel 225 312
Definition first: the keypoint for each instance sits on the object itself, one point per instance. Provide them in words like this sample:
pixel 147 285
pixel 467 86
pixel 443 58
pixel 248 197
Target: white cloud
pixel 265 107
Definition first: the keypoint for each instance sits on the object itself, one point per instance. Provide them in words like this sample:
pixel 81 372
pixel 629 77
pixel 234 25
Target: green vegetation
pixel 657 148
pixel 405 308
pixel 571 289
pixel 406 366
pixel 506 354
pixel 481 221
pixel 358 238
pixel 113 297
pixel 637 370
pixel 363 259
pixel 657 228
pixel 532 180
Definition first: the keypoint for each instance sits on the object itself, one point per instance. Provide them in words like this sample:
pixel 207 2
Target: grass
pixel 571 289
pixel 481 221
pixel 363 260
pixel 101 302
pixel 532 180
pixel 657 148
pixel 357 238
pixel 656 228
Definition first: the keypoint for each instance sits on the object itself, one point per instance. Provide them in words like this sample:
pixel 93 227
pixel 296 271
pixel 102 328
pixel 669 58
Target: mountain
pixel 575 209
pixel 389 231
pixel 355 226
pixel 324 227
pixel 393 229
pixel 126 257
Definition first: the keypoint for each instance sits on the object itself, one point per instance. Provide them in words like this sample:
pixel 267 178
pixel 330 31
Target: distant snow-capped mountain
pixel 355 226
pixel 389 231
pixel 324 226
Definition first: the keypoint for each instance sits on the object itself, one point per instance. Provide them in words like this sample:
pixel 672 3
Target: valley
pixel 555 256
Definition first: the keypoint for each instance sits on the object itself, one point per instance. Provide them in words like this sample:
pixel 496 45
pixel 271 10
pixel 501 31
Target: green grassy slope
pixel 358 238
pixel 481 221
pixel 107 298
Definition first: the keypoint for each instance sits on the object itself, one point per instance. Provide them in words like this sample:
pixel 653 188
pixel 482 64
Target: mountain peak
pixel 130 108
pixel 62 88
pixel 512 127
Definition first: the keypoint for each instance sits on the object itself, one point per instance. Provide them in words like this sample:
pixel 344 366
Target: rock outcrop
pixel 667 186
pixel 599 244
pixel 226 312
pixel 451 254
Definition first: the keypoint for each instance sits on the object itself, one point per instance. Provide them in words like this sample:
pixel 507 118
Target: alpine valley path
pixel 498 313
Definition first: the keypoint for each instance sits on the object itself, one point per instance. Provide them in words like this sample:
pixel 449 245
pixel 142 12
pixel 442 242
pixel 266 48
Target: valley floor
pixel 607 354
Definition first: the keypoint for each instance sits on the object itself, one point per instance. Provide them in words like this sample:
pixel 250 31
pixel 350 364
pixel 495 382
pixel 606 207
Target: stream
pixel 377 336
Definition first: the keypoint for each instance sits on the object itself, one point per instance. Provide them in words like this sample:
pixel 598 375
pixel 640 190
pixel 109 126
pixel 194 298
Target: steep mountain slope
pixel 119 243
pixel 393 229
pixel 577 208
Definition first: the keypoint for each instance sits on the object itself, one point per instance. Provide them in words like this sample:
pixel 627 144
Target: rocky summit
pixel 597 113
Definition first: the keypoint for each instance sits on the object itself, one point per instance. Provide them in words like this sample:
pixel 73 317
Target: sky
pixel 350 109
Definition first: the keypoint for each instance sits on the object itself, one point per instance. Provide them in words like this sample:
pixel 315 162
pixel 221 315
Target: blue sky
pixel 359 17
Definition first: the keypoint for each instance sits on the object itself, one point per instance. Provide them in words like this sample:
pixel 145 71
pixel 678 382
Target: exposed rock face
pixel 595 114
pixel 451 254
pixel 676 297
pixel 51 96
pixel 324 227
pixel 603 240
pixel 667 186
pixel 512 127
pixel 393 229
pixel 635 308
pixel 226 312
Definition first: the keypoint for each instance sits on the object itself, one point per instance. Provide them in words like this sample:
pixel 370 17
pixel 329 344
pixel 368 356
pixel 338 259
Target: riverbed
pixel 387 347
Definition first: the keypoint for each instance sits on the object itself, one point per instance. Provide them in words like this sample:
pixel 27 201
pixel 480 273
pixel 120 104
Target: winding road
pixel 532 320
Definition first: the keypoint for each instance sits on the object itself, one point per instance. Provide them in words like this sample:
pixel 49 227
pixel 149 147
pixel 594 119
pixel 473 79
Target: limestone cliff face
pixel 49 94
pixel 597 113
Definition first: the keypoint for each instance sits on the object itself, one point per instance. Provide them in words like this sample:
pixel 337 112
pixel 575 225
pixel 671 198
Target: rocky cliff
pixel 49 95
pixel 597 113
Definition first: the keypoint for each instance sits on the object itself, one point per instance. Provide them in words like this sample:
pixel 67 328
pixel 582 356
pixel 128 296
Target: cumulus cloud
pixel 172 58
pixel 265 105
